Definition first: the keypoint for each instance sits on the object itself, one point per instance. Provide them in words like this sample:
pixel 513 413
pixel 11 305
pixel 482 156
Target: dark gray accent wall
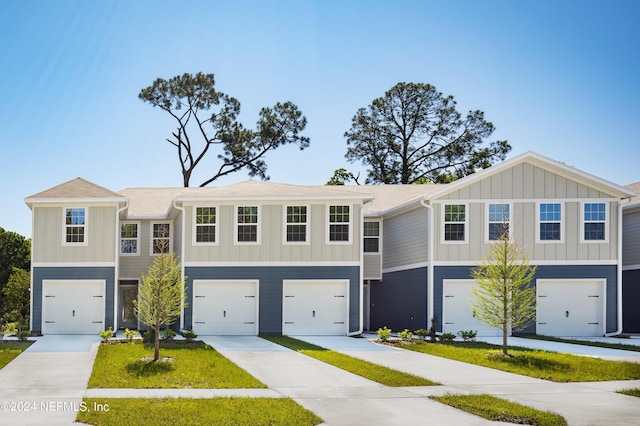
pixel 631 301
pixel 270 288
pixel 399 301
pixel 71 273
pixel 608 272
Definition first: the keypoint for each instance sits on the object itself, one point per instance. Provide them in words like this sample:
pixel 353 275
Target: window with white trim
pixel 498 221
pixel 371 237
pixel 296 224
pixel 129 238
pixel 339 224
pixel 455 219
pixel 75 229
pixel 550 218
pixel 205 224
pixel 247 224
pixel 160 238
pixel 594 219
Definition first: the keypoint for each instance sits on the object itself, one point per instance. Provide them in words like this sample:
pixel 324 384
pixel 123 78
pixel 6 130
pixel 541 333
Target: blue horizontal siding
pixel 71 273
pixel 607 272
pixel 270 297
pixel 399 301
pixel 631 301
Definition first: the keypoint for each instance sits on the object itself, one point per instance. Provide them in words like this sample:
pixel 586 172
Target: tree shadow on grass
pixel 141 368
pixel 530 362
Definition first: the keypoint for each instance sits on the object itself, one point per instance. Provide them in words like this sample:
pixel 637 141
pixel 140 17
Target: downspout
pixel 182 248
pixel 116 269
pixel 430 274
pixel 619 274
pixel 361 279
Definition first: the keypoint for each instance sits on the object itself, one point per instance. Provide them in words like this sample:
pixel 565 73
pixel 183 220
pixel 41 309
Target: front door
pixel 128 319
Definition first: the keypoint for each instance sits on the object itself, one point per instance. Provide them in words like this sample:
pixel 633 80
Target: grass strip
pixel 631 392
pixel 557 367
pixel 197 367
pixel 368 370
pixel 180 411
pixel 621 346
pixel 8 351
pixel 501 410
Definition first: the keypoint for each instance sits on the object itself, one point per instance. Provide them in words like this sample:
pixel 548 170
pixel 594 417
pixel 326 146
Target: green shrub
pixel 384 333
pixel 10 328
pixel 422 333
pixel 432 331
pixel 106 334
pixel 446 337
pixel 405 335
pixel 189 335
pixel 468 335
pixel 148 336
pixel 168 334
pixel 130 334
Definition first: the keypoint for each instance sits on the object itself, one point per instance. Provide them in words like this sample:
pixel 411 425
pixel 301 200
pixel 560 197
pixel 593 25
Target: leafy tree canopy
pixel 415 134
pixel 15 295
pixel 15 252
pixel 207 121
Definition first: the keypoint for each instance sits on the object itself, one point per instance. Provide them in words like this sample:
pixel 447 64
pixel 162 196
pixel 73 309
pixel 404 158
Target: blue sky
pixel 557 77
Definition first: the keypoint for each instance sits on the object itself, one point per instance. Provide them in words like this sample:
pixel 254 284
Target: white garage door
pixel 570 307
pixel 456 310
pixel 225 307
pixel 315 307
pixel 73 306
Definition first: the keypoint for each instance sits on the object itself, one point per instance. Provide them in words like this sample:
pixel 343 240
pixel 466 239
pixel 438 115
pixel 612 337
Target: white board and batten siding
pixel 315 307
pixel 73 306
pixel 225 307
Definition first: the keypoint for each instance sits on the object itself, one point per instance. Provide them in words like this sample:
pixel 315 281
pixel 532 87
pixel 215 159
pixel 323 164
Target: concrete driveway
pixel 45 384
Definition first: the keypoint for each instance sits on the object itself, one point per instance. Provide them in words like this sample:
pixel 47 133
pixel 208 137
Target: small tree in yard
pixel 160 296
pixel 504 297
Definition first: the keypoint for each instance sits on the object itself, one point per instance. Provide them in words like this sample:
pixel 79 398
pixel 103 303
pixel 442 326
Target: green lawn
pixel 8 351
pixel 375 372
pixel 180 411
pixel 501 410
pixel 543 365
pixel 119 366
pixel 631 392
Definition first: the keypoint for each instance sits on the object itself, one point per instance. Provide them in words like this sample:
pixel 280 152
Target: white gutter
pixel 430 291
pixel 182 248
pixel 619 273
pixel 116 270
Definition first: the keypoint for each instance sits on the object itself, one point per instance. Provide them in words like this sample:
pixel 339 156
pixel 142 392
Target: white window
pixel 339 224
pixel 129 239
pixel 75 226
pixel 498 221
pixel 161 238
pixel 371 241
pixel 296 225
pixel 550 222
pixel 455 221
pixel 594 221
pixel 206 230
pixel 247 224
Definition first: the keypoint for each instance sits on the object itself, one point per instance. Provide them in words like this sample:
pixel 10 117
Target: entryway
pixel 127 293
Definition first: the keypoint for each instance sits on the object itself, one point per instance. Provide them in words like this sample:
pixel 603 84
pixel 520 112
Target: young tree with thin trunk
pixel 160 296
pixel 504 297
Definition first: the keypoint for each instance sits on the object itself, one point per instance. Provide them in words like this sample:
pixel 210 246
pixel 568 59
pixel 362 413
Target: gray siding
pixel 405 238
pixel 48 235
pixel 133 266
pixel 631 237
pixel 399 301
pixel 607 272
pixel 372 264
pixel 270 287
pixel 272 246
pixel 79 273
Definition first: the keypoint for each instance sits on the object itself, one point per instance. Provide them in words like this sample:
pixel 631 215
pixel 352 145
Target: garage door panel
pixel 570 307
pixel 225 307
pixel 457 312
pixel 315 307
pixel 73 306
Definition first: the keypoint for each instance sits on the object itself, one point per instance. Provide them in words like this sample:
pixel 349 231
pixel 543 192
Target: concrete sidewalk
pixel 592 403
